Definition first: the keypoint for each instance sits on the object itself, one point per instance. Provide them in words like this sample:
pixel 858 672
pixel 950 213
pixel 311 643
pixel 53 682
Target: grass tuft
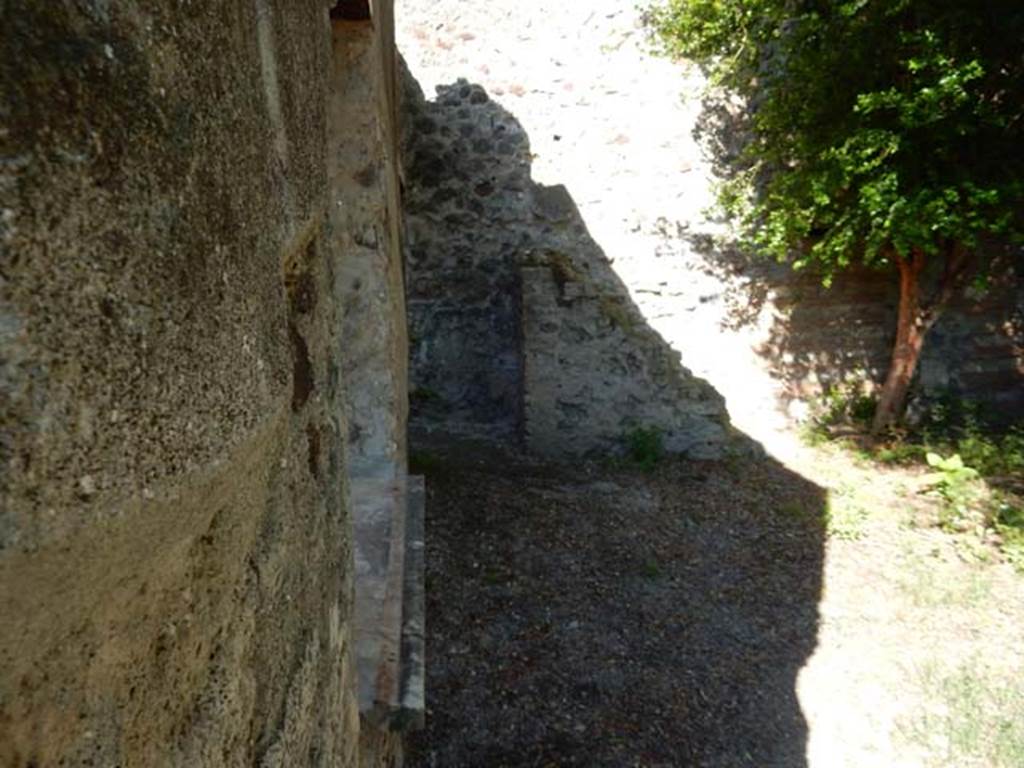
pixel 975 717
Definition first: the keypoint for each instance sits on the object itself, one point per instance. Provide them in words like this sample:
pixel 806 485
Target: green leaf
pixel 953 463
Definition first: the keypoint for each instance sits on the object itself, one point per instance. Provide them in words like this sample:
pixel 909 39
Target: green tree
pixel 884 132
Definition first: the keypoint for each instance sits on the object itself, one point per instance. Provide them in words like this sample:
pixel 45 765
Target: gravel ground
pixel 711 614
pixel 599 615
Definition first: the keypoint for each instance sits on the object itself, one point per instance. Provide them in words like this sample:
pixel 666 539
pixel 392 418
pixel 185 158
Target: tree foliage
pixel 878 126
pixel 884 132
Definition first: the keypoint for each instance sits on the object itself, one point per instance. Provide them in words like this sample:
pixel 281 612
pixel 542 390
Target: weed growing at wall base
pixel 958 486
pixel 842 407
pixel 646 446
pixel 844 517
pixel 977 472
pixel 1009 524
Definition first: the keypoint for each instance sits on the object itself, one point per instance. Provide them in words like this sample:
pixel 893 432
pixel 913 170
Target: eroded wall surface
pixel 522 330
pixel 469 226
pixel 175 583
pixel 595 374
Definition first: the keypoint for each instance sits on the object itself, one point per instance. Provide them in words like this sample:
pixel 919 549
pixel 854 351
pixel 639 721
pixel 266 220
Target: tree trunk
pixel 913 323
pixel 911 327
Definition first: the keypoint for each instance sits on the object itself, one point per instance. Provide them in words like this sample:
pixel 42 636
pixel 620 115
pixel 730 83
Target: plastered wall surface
pixel 365 222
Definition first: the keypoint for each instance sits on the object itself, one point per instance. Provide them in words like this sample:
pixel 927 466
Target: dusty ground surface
pixel 796 611
pixel 708 614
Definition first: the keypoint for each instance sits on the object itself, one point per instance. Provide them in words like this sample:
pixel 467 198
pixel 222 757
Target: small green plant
pixel 862 408
pixel 970 505
pixel 1009 524
pixel 425 396
pixel 844 517
pixel 900 452
pixel 960 489
pixel 793 510
pixel 646 446
pixel 425 463
pixel 949 414
pixel 975 468
pixel 840 405
pixel 814 434
pixel 993 456
pixel 493 576
pixel 651 568
pixel 969 428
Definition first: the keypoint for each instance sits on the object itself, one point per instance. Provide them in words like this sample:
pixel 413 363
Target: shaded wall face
pixel 822 337
pixel 174 578
pixel 467 205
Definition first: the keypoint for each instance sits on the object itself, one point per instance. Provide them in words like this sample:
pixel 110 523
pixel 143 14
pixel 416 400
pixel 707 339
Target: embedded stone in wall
pixel 467 169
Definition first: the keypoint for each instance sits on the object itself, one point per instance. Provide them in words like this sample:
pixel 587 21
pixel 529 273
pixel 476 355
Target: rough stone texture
pixel 468 223
pixel 594 371
pixel 175 554
pixel 520 327
pixel 381 749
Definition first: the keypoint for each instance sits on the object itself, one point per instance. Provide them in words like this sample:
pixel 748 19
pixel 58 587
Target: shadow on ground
pixel 821 336
pixel 583 613
pixel 593 615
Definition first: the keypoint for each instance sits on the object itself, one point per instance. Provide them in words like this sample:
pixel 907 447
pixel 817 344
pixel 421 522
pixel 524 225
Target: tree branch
pixel 955 266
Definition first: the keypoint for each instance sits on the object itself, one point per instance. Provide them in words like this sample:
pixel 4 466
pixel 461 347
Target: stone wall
pixel 594 372
pixel 633 136
pixel 812 337
pixel 521 330
pixel 468 221
pixel 175 534
pixel 975 351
